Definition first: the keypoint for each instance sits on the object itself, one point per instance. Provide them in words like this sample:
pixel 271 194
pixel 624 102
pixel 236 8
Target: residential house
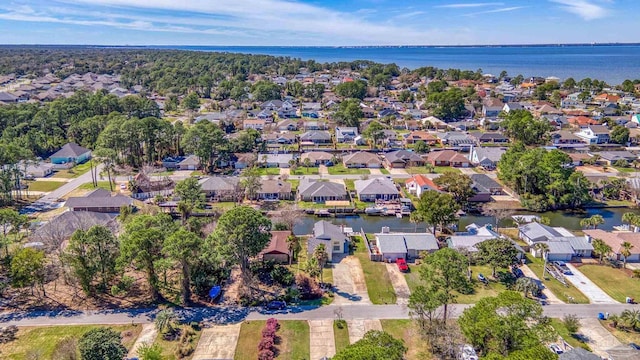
pixel 191 162
pixel 615 239
pixel 611 157
pixel 284 138
pixel 317 158
pixel 511 106
pixel 563 245
pixel 171 162
pixel 394 246
pixel 333 238
pixel 346 134
pixel 316 137
pixel 54 232
pixel 582 121
pixel 70 154
pixel 456 139
pixel 244 160
pixel 448 158
pixel 6 98
pixel 485 138
pixel 474 235
pixel 418 184
pixel 484 188
pixel 274 190
pixel 565 139
pixel 487 157
pixel 256 124
pixel 275 160
pixel 278 248
pixel 578 159
pixel 287 125
pixel 320 191
pixel 423 136
pixel 99 200
pixel 220 188
pixel 376 189
pixel 401 159
pixel 594 134
pixel 314 125
pixel 362 159
pixel 492 108
pixel 39 170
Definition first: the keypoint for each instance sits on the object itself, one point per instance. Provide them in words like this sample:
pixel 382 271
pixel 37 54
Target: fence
pixel 372 256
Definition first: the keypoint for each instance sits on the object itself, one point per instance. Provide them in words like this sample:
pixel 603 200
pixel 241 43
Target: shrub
pixel 266 355
pixel 184 351
pixel 273 323
pixel 101 344
pixel 282 276
pixel 268 333
pixel 572 323
pixel 265 343
pixel 66 349
pixel 150 352
pixel 308 287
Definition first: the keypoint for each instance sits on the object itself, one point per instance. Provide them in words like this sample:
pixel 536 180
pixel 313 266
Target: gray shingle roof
pixel 326 230
pixel 315 135
pixel 483 182
pixel 64 225
pixel 375 186
pixel 219 183
pixel 362 157
pixel 536 230
pixel 311 188
pixel 403 242
pixel 578 354
pixel 70 150
pixel 403 156
pixel 560 247
pixel 491 153
pixel 116 201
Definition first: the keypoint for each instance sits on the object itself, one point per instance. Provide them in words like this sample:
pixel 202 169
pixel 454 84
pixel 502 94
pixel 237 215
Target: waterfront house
pixel 99 200
pixel 333 238
pixel 487 157
pixel 284 138
pixel 418 184
pixel 320 191
pixel 70 154
pixel 447 158
pixel 474 235
pixel 376 189
pixel 594 134
pixel 402 159
pixel 615 239
pixel 316 158
pixel 394 246
pixel 316 137
pixel 563 245
pixel 484 188
pixel 278 248
pixel 220 188
pixel 274 190
pixel 362 159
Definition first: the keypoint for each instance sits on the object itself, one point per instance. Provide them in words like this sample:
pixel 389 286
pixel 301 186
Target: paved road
pixel 225 315
pixel 70 186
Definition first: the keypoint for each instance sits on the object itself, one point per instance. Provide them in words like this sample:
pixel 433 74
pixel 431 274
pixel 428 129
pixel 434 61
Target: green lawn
pixel 384 171
pixel 293 345
pixel 310 205
pixel 625 169
pixel 562 292
pixel 406 330
pixel 268 171
pixel 340 335
pixel 45 186
pixel 294 184
pixel 169 347
pixel 615 282
pixel 623 335
pixel 101 185
pixel 349 184
pixel 445 169
pixel 299 266
pixel 73 172
pixel 223 205
pixel 339 169
pixel 305 171
pixel 376 277
pixel 43 340
pixel 574 341
pixel 480 290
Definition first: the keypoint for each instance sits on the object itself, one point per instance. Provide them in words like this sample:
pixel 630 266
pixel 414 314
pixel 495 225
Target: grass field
pixel 40 342
pixel 349 184
pixel 624 336
pixel 339 169
pixel 376 277
pixel 406 330
pixel 424 170
pixel 74 172
pixel 169 347
pixel 615 282
pixel 293 345
pixel 294 184
pixel 340 335
pixel 562 292
pixel 384 171
pixel 101 185
pixel 45 185
pixel 558 325
pixel 305 171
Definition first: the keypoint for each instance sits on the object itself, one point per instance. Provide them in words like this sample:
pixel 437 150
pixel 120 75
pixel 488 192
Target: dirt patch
pixel 399 283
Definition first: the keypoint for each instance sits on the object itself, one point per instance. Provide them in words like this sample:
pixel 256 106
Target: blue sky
pixel 317 22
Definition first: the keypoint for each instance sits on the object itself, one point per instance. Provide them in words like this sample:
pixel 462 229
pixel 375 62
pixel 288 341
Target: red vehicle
pixel 402 265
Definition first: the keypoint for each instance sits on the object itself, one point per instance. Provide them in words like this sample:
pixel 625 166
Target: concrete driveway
pixel 348 281
pixel 587 287
pixel 147 336
pixel 359 327
pixel 321 339
pixel 399 283
pixel 400 171
pixel 549 296
pixel 598 338
pixel 375 172
pixel 217 342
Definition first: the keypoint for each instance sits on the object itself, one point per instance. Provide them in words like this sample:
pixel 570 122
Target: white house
pixel 594 134
pixel 404 245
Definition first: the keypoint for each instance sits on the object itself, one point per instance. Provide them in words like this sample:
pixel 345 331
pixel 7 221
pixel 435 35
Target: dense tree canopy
pixel 349 113
pixel 352 89
pixel 375 345
pixel 520 125
pixel 447 105
pixel 437 209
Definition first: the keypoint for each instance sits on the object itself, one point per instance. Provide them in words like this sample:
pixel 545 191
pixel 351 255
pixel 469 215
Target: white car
pixel 123 186
pixel 468 353
pixel 555 349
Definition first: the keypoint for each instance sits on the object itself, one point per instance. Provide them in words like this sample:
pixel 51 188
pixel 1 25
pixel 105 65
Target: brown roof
pixel 278 243
pixel 421 135
pixel 447 155
pixel 616 238
pixel 275 187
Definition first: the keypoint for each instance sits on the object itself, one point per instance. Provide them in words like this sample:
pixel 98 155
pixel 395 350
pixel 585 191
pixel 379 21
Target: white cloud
pixel 468 5
pixel 587 10
pixel 499 10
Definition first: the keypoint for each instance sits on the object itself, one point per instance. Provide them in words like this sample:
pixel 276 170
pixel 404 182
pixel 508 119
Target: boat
pixel 215 292
pixel 372 211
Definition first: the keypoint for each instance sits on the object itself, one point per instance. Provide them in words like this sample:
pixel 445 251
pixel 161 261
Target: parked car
pixel 468 353
pixel 555 349
pixel 482 279
pixel 276 305
pixel 402 264
pixel 635 346
pixel 517 272
pixel 123 186
pixel 562 267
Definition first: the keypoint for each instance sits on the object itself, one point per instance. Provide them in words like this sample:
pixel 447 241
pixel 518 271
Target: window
pixel 337 248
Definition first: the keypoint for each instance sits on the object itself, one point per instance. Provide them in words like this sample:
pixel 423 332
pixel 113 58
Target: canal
pixel 372 224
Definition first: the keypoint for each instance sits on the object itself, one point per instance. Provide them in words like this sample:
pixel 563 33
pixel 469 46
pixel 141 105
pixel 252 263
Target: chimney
pixel 588 238
pixel 385 229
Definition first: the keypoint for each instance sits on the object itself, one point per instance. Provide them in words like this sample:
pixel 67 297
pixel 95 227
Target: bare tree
pixel 497 211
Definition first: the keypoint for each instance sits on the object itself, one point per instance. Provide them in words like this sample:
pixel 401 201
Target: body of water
pixel 612 63
pixel 373 224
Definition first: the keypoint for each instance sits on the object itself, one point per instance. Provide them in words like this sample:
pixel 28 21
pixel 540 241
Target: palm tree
pixel 185 209
pixel 321 256
pixel 625 250
pixel 631 318
pixel 293 245
pixel 629 218
pixel 600 248
pixel 585 223
pixel 527 286
pixel 596 220
pixel 165 321
pixel 543 248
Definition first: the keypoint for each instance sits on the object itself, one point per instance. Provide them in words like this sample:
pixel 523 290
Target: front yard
pixel 615 282
pixel 40 342
pixel 376 277
pixel 74 172
pixel 45 186
pixel 294 340
pixel 305 171
pixel 562 292
pixel 430 170
pixel 101 185
pixel 339 169
pixel 268 171
pixel 562 331
pixel 407 331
